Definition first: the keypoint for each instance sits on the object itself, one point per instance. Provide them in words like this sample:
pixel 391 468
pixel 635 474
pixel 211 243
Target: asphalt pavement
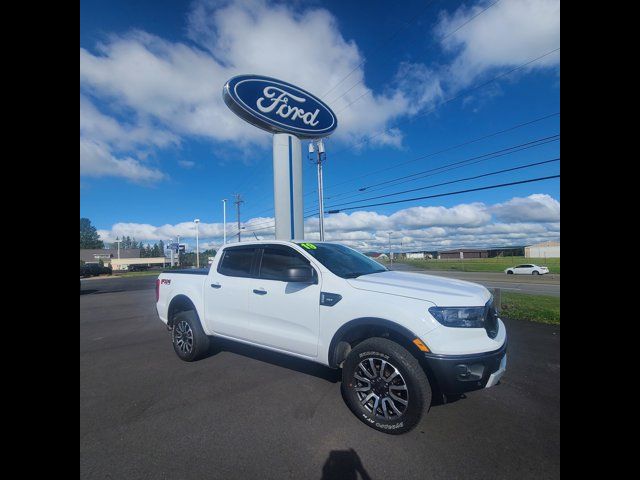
pixel 243 412
pixel 548 284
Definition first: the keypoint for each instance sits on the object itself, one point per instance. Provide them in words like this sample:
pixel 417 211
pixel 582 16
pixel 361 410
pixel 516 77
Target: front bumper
pixel 463 373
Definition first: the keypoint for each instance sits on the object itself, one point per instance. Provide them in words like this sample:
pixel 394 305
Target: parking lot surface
pixel 247 413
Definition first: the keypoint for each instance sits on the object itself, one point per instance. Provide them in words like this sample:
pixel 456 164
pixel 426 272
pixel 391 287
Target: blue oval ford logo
pixel 278 106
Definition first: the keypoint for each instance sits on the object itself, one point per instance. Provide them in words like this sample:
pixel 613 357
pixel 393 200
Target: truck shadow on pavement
pixel 307 367
pixel 274 358
pixel 344 465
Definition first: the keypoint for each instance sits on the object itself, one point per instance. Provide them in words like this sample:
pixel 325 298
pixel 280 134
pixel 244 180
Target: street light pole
pixel 320 158
pixel 238 202
pixel 197 222
pixel 224 221
pixel 390 254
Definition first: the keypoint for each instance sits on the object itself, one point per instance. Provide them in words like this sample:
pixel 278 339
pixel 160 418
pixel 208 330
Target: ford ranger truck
pixel 398 336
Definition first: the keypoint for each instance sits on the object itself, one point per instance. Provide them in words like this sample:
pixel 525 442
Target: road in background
pixel 532 284
pixel 248 413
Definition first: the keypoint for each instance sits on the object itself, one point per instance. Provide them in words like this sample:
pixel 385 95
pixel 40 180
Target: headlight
pixel 462 317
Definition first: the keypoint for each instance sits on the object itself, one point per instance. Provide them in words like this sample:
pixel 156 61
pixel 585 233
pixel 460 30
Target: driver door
pixel 284 315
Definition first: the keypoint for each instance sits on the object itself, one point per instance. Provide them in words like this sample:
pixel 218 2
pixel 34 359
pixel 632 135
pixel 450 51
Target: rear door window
pixel 237 262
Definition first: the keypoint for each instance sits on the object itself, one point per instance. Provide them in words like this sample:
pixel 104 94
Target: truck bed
pixel 190 271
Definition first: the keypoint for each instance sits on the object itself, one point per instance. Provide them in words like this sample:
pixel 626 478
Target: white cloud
pixel 108 147
pixel 534 208
pixel 520 221
pixel 507 34
pixel 188 164
pixel 179 86
pixel 171 90
pixel 96 160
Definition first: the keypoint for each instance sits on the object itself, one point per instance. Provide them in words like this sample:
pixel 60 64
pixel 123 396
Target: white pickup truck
pixel 397 336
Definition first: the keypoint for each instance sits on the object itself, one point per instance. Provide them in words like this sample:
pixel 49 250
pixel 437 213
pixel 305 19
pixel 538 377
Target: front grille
pixel 491 319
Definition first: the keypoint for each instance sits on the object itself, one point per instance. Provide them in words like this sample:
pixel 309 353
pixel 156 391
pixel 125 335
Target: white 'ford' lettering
pixel 285 110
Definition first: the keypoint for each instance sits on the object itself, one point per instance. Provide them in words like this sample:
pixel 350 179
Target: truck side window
pixel 275 261
pixel 236 262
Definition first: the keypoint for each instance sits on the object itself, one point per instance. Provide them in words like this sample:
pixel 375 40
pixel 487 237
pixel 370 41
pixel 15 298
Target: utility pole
pixel 118 241
pixel 197 222
pixel 224 221
pixel 390 254
pixel 178 252
pixel 238 201
pixel 320 158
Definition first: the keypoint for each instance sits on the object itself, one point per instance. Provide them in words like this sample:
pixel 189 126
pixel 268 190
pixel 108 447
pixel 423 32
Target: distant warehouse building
pixel 463 253
pixel 543 250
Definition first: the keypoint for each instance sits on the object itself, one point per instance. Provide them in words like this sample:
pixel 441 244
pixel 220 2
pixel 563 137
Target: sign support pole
pixel 287 187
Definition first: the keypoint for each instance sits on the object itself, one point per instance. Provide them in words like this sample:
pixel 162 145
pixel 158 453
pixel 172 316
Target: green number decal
pixel 308 246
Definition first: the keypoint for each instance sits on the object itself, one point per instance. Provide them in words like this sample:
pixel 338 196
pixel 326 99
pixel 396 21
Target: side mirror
pixel 303 274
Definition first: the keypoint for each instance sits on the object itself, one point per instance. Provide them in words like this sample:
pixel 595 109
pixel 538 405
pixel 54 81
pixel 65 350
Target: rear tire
pixel 509 272
pixel 385 386
pixel 189 340
pixel 535 272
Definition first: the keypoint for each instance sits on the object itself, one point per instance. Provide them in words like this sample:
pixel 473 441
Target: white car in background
pixel 527 269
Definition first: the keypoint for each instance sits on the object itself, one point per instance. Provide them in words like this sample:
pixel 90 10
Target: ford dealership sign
pixel 278 106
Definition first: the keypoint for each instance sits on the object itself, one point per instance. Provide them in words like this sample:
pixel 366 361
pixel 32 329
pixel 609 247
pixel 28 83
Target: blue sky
pixel 159 148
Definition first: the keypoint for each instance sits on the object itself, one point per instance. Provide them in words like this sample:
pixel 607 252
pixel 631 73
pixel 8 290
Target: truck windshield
pixel 343 261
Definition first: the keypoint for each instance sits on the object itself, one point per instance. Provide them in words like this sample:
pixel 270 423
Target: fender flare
pixel 337 346
pixel 177 304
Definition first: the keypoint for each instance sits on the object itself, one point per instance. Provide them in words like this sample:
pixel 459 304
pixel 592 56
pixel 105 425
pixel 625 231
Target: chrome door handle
pixel 216 285
pixel 259 292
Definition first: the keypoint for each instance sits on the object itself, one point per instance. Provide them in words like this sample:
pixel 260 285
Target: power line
pixel 490 187
pixel 497 172
pixel 477 189
pixel 447 149
pixel 496 153
pixel 452 166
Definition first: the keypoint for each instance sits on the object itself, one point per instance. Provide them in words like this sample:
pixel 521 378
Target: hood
pixel 443 292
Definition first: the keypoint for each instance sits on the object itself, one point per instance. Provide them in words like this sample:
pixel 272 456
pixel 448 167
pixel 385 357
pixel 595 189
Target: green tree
pixel 89 237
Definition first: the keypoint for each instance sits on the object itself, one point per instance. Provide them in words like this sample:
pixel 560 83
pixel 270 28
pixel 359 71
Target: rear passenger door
pixel 226 293
pixel 284 315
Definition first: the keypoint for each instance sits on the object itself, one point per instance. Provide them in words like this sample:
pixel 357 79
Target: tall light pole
pixel 118 241
pixel 238 202
pixel 318 161
pixel 390 254
pixel 224 221
pixel 197 222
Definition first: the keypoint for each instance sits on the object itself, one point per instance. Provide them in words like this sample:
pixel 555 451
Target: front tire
pixel 189 340
pixel 509 272
pixel 385 386
pixel 535 272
